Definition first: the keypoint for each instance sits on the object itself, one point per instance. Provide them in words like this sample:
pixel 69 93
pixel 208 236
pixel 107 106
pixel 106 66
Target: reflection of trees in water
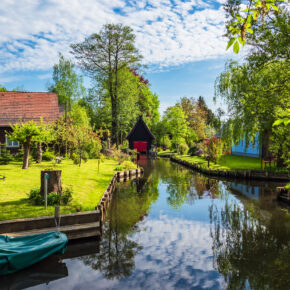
pixel 249 249
pixel 184 185
pixel 117 250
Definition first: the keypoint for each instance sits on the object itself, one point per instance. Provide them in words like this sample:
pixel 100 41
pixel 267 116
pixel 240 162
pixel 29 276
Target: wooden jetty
pixel 75 225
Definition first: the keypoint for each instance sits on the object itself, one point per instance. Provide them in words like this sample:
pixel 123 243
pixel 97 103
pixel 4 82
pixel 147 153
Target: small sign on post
pixel 46 175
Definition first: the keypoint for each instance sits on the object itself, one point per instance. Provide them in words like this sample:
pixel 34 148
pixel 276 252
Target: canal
pixel 177 229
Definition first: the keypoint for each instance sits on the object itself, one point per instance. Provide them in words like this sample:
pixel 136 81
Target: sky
pixel 181 41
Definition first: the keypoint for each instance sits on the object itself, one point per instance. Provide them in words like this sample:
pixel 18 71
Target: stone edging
pixel 244 174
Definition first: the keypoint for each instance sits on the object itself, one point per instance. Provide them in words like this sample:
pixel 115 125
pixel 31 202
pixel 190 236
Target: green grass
pixel 166 152
pixel 88 186
pixel 226 162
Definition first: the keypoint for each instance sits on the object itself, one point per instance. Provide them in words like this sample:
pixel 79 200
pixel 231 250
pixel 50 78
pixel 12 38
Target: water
pixel 177 229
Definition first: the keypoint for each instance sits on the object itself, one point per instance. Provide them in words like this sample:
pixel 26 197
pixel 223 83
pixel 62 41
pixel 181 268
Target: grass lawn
pixel 166 152
pixel 88 186
pixel 227 162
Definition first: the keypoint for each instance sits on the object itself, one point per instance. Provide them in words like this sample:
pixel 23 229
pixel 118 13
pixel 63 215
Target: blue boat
pixel 21 252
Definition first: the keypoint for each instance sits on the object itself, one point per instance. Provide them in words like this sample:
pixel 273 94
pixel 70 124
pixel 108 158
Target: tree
pixel 195 116
pixel 280 139
pixel 3 89
pixel 67 84
pixel 104 55
pixel 241 20
pixel 253 96
pixel 176 124
pixel 28 133
pixel 81 134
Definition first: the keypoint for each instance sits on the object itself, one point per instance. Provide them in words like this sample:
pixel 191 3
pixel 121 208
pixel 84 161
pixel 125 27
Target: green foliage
pixel 166 142
pixel 29 133
pixel 176 125
pixel 280 139
pixel 253 96
pixel 2 89
pixel 48 155
pixel 241 21
pixel 192 150
pixel 105 55
pixel 35 196
pixel 5 156
pixel 128 165
pixel 213 149
pixel 118 168
pixel 182 149
pixel 83 141
pixel 67 84
pixel 66 195
pixel 53 198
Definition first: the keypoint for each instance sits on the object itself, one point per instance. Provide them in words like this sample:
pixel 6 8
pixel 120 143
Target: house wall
pixel 251 151
pixel 3 131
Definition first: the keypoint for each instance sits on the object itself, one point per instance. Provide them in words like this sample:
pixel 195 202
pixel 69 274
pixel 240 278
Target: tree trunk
pixel 114 120
pixel 280 161
pixel 53 182
pixel 39 153
pixel 26 147
pixel 265 146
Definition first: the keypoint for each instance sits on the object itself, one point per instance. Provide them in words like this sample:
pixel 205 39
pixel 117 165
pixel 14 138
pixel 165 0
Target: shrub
pixel 53 198
pixel 118 168
pixel 128 165
pixel 213 148
pixel 35 196
pixel 48 156
pixel 121 157
pixel 192 150
pixel 5 156
pixel 182 149
pixel 19 155
pixel 66 195
pixel 199 152
pixel 166 142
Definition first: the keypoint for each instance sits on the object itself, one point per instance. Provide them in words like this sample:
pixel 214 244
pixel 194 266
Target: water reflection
pixel 251 247
pixel 174 228
pixel 130 204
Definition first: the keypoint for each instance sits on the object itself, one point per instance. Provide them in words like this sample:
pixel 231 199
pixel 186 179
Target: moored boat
pixel 21 252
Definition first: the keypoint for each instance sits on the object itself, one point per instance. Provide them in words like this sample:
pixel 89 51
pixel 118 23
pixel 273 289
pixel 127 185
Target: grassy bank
pixel 226 162
pixel 88 186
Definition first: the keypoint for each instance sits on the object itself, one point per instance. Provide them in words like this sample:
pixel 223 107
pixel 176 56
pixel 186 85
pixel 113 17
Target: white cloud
pixel 33 32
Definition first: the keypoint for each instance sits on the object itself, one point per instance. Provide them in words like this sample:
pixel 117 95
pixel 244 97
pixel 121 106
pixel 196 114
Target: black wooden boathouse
pixel 140 137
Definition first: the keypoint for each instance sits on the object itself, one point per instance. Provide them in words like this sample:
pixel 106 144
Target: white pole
pixel 46 176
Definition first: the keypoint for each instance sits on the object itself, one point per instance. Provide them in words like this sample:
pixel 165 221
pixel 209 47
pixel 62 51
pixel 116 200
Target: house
pixel 140 137
pixel 22 107
pixel 253 150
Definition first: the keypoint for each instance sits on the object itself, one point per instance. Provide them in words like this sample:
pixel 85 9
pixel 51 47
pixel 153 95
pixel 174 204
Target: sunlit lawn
pixel 227 162
pixel 88 186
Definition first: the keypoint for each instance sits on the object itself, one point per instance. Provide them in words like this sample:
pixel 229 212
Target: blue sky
pixel 181 41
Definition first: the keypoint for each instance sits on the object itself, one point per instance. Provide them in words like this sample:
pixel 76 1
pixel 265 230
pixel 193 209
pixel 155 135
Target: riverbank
pixel 88 186
pixel 199 164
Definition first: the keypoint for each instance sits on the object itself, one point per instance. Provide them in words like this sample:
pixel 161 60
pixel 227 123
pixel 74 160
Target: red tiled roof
pixel 25 106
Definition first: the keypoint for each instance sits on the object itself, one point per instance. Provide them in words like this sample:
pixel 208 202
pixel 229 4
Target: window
pixel 10 143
